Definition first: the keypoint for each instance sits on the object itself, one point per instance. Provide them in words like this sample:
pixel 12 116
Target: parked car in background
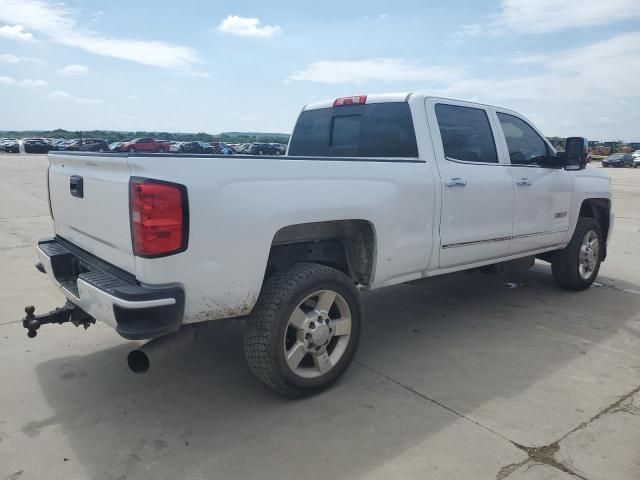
pixel 196 147
pixel 618 160
pixel 87 145
pixel 221 148
pixel 262 149
pixel 174 147
pixel 636 161
pixel 9 145
pixel 145 145
pixel 242 148
pixel 36 145
pixel 64 144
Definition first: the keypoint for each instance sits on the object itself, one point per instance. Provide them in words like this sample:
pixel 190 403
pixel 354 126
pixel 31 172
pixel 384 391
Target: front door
pixel 542 193
pixel 477 188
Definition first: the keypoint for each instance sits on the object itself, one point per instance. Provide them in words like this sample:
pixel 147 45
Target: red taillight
pixel 158 217
pixel 356 100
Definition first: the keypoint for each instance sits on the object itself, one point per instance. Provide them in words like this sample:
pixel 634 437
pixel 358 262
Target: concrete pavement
pixel 468 376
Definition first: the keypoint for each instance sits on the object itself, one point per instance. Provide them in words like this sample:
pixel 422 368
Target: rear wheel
pixel 576 266
pixel 304 330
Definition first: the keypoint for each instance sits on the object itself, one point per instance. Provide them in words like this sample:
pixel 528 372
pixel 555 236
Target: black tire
pixel 266 327
pixel 565 264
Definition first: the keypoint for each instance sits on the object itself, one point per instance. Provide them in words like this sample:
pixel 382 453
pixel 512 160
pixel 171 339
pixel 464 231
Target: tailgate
pixel 90 204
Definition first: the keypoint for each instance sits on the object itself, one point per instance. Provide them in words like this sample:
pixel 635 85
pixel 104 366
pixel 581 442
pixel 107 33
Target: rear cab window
pixel 369 130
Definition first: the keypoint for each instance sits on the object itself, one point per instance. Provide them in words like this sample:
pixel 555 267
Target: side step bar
pixel 68 313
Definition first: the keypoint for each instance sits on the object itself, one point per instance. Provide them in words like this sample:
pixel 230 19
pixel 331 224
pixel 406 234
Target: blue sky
pixel 572 67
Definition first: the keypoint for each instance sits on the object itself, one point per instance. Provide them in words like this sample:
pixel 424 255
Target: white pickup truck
pixel 374 191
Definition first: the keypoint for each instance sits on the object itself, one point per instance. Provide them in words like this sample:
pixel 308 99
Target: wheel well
pixel 598 209
pixel 346 245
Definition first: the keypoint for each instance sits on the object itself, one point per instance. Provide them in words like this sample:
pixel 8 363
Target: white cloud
pixel 569 75
pixel 363 71
pixel 74 69
pixel 37 83
pixel 59 24
pixel 541 16
pixel 247 27
pixel 15 32
pixel 582 85
pixel 59 94
pixel 10 58
pixel 545 16
pixel 27 82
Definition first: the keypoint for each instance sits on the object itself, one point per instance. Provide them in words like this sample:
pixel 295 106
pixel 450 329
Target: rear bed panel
pixel 97 222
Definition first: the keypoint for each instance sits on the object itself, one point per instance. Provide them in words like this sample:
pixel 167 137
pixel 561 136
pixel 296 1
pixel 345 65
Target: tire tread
pixel 265 316
pixel 564 265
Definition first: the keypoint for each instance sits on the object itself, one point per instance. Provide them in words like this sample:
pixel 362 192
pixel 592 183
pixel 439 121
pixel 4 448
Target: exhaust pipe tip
pixel 138 361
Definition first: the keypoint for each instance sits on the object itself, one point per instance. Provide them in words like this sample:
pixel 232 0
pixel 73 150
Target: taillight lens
pixel 159 217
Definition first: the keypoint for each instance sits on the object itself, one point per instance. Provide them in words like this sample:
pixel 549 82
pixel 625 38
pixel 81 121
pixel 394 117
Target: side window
pixel 526 147
pixel 466 134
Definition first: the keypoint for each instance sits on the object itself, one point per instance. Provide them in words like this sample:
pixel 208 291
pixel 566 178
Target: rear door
pixel 477 188
pixel 90 204
pixel 542 193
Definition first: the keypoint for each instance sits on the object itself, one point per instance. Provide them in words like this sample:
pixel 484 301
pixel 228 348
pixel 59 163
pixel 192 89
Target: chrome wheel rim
pixel 589 255
pixel 317 334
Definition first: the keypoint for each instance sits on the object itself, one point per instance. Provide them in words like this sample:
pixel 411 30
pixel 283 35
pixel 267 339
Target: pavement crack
pixel 435 402
pixel 545 455
pixel 535 455
pixel 614 407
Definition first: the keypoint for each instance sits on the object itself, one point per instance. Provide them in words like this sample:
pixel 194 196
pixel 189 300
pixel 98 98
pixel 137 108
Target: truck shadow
pixel 467 342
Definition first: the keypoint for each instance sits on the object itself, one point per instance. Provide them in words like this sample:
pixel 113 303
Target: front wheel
pixel 576 266
pixel 304 330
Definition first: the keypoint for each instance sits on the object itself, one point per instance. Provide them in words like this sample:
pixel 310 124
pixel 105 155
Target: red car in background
pixel 146 144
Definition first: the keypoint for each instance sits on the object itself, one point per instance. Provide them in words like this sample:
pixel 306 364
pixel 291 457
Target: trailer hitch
pixel 68 313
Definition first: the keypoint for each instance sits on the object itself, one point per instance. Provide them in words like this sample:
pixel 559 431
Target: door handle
pixel 524 182
pixel 455 182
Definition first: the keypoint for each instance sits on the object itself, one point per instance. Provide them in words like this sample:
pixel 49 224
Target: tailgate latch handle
pixel 76 186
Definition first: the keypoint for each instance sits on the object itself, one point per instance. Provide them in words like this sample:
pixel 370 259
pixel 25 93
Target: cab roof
pixel 386 97
pixel 375 98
